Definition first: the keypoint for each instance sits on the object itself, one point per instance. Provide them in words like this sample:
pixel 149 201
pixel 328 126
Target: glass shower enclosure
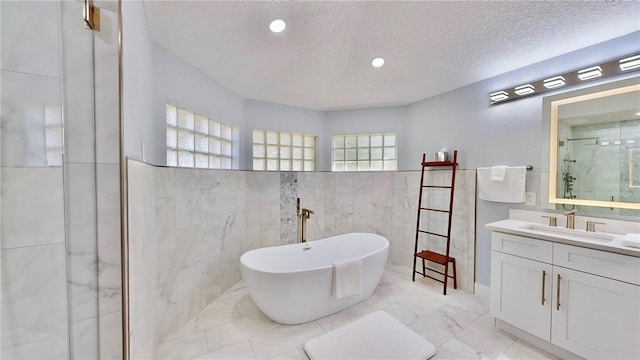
pixel 48 211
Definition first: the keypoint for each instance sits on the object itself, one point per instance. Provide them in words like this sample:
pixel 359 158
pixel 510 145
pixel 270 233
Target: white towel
pixel 510 190
pixel 498 172
pixel 347 278
pixel 631 239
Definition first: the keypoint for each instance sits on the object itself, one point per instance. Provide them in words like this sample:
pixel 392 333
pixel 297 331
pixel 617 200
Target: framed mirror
pixel 594 146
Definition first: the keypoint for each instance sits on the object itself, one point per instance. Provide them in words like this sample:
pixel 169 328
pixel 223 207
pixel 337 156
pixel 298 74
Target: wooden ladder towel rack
pixel 428 255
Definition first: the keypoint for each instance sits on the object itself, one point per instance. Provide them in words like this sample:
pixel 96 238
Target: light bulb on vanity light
pixel 499 96
pixel 524 89
pixel 629 63
pixel 590 73
pixel 554 82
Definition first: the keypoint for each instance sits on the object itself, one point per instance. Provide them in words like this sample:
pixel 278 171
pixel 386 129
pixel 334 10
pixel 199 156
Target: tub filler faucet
pixel 303 216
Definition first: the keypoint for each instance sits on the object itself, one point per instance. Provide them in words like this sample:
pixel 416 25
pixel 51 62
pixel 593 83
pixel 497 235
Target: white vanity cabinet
pixel 582 300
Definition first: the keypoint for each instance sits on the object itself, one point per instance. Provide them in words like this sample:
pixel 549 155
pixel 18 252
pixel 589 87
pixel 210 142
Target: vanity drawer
pixel 529 248
pixel 615 266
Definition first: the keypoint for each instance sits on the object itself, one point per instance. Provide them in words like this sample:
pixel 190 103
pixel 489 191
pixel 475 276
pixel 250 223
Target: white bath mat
pixel 375 336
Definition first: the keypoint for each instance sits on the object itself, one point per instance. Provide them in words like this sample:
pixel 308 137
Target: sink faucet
pixel 571 219
pixel 303 216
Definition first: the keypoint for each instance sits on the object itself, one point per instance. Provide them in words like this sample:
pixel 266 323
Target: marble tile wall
pixel 201 221
pixel 386 203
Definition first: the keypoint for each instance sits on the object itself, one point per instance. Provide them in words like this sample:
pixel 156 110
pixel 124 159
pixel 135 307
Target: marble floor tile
pixel 239 350
pixel 293 354
pixel 521 350
pixel 458 324
pixel 483 336
pixel 187 347
pixel 237 330
pixel 456 349
pixel 345 316
pixel 284 338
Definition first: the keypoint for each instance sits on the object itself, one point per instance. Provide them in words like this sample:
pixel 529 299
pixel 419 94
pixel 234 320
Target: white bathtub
pixel 292 285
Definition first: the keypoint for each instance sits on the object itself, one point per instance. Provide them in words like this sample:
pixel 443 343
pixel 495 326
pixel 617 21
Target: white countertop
pixel 559 234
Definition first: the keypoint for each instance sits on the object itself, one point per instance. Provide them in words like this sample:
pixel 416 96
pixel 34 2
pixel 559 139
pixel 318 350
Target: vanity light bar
pixel 607 69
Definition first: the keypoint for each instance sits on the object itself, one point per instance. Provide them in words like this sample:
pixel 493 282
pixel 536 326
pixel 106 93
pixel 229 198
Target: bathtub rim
pixel 329 266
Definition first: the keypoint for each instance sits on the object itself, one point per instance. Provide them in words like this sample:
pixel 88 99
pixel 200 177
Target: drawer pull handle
pixel 544 274
pixel 558 295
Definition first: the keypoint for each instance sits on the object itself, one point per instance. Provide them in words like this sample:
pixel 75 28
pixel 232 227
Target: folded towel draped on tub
pixel 347 277
pixel 509 190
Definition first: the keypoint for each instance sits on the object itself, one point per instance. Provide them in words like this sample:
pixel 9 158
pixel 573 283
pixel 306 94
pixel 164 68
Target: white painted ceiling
pixel 322 59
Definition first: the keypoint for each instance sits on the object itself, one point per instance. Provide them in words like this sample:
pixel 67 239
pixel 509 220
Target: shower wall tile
pixel 24 97
pixel 85 339
pixel 82 246
pixel 30 30
pixel 109 253
pixel 34 303
pixel 110 336
pixel 35 197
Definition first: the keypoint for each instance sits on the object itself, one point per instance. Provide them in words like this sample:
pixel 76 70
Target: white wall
pixel 181 84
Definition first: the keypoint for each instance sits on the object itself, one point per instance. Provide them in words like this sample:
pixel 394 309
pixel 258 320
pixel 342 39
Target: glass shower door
pixel 48 175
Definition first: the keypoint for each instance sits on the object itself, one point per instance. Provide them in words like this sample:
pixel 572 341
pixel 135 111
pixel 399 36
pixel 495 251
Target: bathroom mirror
pixel 594 146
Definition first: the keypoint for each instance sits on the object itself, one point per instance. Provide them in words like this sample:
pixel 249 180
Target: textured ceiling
pixel 322 59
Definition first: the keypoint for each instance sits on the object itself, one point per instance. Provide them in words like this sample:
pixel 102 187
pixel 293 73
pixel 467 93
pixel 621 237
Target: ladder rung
pixel 439 210
pixel 430 233
pixel 437 186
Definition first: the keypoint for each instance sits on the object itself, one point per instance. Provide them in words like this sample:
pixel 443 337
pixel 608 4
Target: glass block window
pixel 282 151
pixel 365 152
pixel 53 134
pixel 197 141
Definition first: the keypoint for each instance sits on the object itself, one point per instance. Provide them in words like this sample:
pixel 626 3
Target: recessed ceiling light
pixel 277 25
pixel 377 62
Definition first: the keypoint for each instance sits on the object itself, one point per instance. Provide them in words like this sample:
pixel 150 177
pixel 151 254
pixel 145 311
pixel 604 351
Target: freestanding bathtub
pixel 292 284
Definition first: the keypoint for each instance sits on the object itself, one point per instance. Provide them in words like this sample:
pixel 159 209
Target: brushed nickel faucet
pixel 571 219
pixel 591 225
pixel 303 216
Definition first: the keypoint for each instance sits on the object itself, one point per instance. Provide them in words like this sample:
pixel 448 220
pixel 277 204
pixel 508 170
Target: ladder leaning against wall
pixel 424 207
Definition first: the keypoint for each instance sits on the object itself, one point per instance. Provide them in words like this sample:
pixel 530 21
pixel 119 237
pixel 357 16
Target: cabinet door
pixel 521 293
pixel 595 317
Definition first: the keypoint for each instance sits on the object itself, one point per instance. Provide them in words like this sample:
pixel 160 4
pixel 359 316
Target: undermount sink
pixel 560 231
